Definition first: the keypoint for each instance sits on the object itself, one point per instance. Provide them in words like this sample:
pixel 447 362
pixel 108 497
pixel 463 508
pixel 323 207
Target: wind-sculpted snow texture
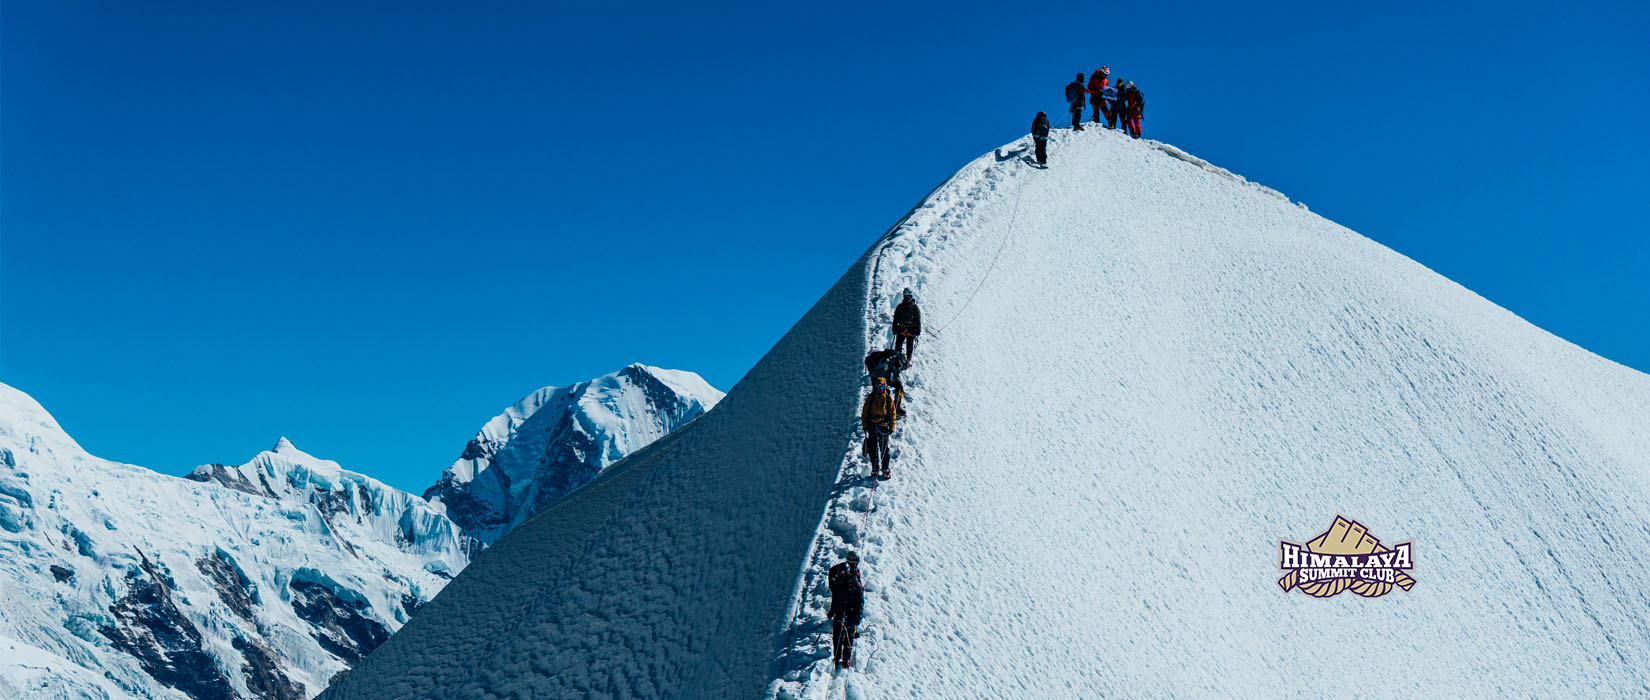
pixel 667 576
pixel 559 438
pixel 1139 373
pixel 1168 369
pixel 258 581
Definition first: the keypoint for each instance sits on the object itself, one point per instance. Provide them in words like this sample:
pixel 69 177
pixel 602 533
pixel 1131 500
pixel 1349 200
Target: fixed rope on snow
pixel 1012 218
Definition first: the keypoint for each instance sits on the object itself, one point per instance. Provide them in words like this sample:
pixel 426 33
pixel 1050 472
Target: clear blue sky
pixel 369 226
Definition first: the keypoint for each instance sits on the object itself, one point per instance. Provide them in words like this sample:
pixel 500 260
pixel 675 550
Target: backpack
pixel 842 580
pixel 874 362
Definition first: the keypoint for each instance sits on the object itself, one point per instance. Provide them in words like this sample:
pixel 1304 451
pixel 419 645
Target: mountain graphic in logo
pixel 1346 557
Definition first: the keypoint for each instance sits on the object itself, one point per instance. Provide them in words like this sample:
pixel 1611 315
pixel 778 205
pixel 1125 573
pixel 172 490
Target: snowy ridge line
pixel 802 665
pixel 1211 167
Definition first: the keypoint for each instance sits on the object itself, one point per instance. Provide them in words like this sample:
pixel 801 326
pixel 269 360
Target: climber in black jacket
pixel 907 325
pixel 847 605
pixel 1039 134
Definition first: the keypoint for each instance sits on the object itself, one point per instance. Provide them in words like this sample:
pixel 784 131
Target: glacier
pixel 559 438
pixel 1142 372
pixel 262 580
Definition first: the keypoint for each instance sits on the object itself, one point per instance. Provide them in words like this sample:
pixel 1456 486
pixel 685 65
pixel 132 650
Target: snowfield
pixel 1139 374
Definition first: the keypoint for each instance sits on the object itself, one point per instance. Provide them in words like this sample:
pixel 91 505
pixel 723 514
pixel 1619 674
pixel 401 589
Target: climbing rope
pixel 1013 217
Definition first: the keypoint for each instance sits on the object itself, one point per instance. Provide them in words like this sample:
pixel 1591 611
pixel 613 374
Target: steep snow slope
pixel 557 439
pixel 116 581
pixel 1142 372
pixel 669 574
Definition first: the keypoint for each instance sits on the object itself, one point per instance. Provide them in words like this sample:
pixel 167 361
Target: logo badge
pixel 1346 557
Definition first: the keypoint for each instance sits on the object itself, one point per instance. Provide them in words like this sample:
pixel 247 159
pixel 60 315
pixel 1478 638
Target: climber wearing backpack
pixel 1074 98
pixel 1137 109
pixel 847 606
pixel 877 417
pixel 907 324
pixel 1110 102
pixel 887 364
pixel 1098 82
pixel 1039 135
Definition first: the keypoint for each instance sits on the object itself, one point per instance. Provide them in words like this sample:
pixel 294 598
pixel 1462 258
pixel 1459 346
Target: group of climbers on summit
pixel 1119 101
pixel 878 415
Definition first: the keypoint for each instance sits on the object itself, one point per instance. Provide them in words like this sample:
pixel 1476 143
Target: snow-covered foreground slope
pixel 263 582
pixel 559 438
pixel 1141 373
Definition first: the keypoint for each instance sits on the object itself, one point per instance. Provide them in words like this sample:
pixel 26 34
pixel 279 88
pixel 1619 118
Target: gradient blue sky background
pixel 370 226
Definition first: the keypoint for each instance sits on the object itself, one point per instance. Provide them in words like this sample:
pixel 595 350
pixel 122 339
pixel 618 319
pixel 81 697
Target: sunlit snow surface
pixel 1112 424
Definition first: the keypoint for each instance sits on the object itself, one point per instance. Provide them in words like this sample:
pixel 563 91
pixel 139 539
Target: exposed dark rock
pixel 341 626
pixel 658 393
pixel 63 574
pixel 264 482
pixel 264 678
pixel 474 449
pixel 411 604
pixel 368 506
pixel 165 643
pixel 232 478
pixel 471 513
pixel 233 587
pixel 571 460
pixel 330 503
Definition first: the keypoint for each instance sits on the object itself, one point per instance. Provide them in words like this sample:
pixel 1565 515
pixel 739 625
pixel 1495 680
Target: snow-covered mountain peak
pixel 558 438
pixel 1091 485
pixel 284 445
pixel 264 582
pixel 20 415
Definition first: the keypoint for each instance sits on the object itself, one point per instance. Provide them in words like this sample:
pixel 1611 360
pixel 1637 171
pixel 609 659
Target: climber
pixel 847 605
pixel 1108 105
pixel 1098 82
pixel 1137 109
pixel 907 324
pixel 887 364
pixel 877 417
pixel 1074 98
pixel 1118 101
pixel 1039 135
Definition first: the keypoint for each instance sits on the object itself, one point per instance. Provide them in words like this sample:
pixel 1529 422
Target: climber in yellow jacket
pixel 877 417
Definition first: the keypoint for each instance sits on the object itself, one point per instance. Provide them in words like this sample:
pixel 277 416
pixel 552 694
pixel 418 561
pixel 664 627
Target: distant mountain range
pixel 265 580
